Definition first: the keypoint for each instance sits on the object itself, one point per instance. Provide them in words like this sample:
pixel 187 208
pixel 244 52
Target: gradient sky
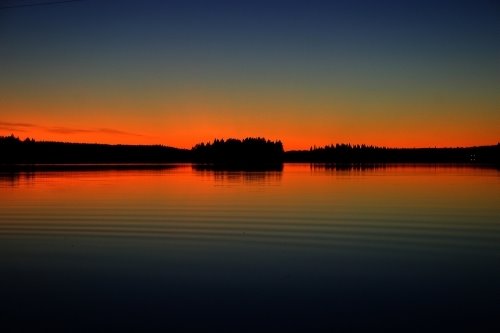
pixel 393 73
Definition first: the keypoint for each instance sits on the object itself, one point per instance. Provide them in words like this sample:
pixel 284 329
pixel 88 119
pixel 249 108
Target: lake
pixel 310 248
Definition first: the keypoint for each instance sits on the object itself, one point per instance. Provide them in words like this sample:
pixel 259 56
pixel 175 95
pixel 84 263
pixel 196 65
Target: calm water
pixel 306 249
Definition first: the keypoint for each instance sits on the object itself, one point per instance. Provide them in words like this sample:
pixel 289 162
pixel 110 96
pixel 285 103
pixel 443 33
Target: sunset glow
pixel 307 74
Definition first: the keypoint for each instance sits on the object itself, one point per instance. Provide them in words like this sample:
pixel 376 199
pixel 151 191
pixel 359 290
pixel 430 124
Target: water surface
pixel 309 248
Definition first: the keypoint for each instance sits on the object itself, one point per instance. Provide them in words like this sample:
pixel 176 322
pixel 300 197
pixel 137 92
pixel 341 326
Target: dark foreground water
pixel 308 249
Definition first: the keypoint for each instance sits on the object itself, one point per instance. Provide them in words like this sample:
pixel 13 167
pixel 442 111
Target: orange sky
pixel 182 73
pixel 197 122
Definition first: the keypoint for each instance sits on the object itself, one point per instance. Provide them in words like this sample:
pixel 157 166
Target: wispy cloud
pixel 113 131
pixel 15 127
pixel 11 129
pixel 8 124
pixel 66 130
pixel 25 127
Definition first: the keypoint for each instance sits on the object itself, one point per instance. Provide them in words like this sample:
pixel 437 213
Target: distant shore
pixel 249 153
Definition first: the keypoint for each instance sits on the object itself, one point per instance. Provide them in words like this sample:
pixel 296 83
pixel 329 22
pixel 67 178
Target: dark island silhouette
pixel 249 153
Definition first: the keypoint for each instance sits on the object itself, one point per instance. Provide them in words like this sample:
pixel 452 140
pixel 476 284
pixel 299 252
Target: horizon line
pixel 290 150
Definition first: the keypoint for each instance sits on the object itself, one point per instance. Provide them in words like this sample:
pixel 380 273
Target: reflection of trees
pixel 36 168
pixel 354 168
pixel 15 175
pixel 15 178
pixel 269 177
pixel 348 167
pixel 214 167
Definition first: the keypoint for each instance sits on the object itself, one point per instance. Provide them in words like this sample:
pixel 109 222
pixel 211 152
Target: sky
pixel 388 73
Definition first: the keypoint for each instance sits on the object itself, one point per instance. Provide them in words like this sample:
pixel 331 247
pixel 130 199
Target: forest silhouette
pixel 249 153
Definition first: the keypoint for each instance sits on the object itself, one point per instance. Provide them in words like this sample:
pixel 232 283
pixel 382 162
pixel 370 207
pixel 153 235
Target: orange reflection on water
pixel 373 189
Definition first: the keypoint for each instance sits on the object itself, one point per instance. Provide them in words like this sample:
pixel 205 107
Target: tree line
pixel 347 153
pixel 251 152
pixel 28 151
